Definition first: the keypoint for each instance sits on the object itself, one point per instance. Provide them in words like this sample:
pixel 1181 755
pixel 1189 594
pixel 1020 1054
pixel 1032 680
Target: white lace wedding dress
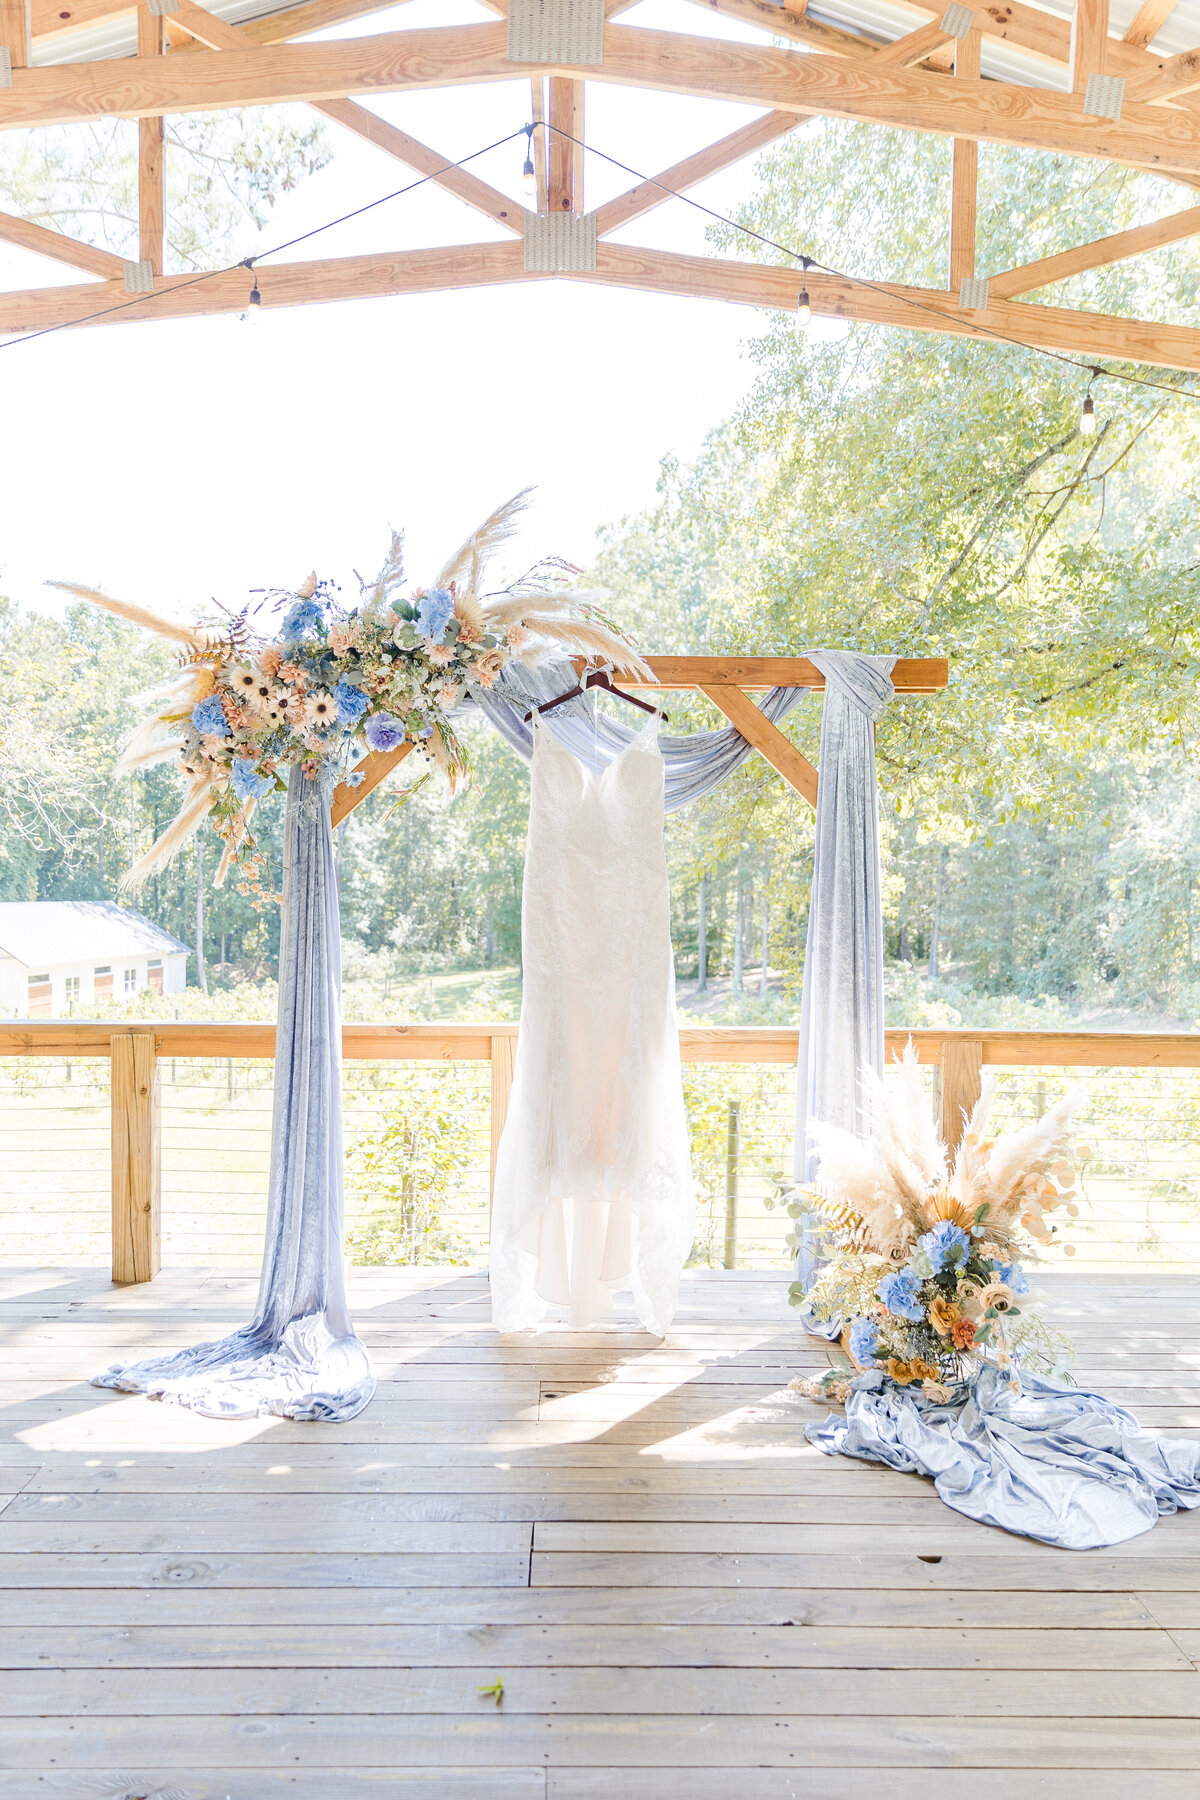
pixel 593 1182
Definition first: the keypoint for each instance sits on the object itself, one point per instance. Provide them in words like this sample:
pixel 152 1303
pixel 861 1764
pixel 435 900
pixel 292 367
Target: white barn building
pixel 59 957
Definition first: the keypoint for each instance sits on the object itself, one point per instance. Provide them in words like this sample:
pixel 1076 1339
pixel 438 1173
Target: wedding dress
pixel 593 1182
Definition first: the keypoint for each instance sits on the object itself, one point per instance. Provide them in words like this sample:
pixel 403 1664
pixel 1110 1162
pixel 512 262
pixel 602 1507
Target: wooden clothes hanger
pixel 596 678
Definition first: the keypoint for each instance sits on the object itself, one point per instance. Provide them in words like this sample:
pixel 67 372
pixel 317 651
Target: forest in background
pixel 881 490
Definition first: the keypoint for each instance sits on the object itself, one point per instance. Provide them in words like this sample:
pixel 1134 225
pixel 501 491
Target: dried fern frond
pixel 465 568
pixel 181 828
pixel 836 1211
pixel 192 635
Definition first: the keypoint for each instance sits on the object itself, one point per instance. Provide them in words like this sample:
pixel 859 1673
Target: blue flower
pixel 946 1244
pixel 247 783
pixel 899 1292
pixel 304 615
pixel 209 718
pixel 435 613
pixel 383 732
pixel 1012 1275
pixel 864 1341
pixel 352 703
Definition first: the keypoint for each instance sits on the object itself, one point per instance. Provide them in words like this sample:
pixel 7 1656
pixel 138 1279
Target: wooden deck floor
pixel 680 1597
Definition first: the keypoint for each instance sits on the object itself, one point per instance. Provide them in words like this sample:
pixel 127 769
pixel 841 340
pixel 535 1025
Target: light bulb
pixel 804 308
pixel 529 176
pixel 1087 418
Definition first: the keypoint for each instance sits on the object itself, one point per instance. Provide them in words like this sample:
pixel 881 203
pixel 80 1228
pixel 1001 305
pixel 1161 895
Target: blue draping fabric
pixel 694 764
pixel 299 1357
pixel 1049 1461
pixel 841 1007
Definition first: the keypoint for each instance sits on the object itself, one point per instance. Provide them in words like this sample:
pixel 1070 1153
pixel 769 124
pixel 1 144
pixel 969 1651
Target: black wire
pixel 889 292
pixel 248 262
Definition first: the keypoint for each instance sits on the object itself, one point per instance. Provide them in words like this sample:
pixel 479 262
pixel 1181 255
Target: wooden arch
pixel 1122 103
pixel 728 682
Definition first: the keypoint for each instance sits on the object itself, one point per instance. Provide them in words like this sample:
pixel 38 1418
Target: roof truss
pixel 925 81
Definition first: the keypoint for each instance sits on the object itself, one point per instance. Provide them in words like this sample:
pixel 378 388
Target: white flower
pixel 320 708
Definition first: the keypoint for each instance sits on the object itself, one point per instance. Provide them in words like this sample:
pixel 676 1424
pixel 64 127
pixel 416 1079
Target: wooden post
pixel 504 1057
pixel 733 1152
pixel 136 1158
pixel 964 177
pixel 959 1084
pixel 15 29
pixel 566 115
pixel 1089 40
pixel 152 203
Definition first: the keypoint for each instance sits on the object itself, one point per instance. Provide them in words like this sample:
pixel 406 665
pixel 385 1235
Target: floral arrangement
pixel 925 1252
pixel 330 684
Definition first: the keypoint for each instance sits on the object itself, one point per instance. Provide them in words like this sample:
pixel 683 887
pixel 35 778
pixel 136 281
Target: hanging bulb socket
pixel 528 172
pixel 254 304
pixel 803 303
pixel 1087 418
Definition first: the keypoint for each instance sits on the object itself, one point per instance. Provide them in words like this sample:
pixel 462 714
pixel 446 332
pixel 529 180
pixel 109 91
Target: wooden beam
pixel 53 17
pixel 709 161
pixel 1149 20
pixel 152 193
pixel 1097 255
pixel 206 28
pixel 15 33
pixel 566 102
pixel 907 51
pixel 1143 137
pixel 793 22
pixel 537 114
pixel 1172 77
pixel 62 249
pixel 373 770
pixel 1089 40
pixel 767 739
pixel 960 1080
pixel 136 1157
pixel 964 175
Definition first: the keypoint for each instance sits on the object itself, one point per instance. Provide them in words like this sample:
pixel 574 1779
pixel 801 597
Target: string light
pixel 803 304
pixel 1087 418
pixel 254 304
pixel 528 172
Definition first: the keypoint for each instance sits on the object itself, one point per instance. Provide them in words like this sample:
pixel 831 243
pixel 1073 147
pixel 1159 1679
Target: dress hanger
pixel 596 678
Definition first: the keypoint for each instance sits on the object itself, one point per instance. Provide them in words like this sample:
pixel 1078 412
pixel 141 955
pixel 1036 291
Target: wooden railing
pixel 137 1047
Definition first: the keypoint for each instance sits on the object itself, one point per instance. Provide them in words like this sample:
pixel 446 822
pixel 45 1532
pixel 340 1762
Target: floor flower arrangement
pixel 329 684
pixel 923 1252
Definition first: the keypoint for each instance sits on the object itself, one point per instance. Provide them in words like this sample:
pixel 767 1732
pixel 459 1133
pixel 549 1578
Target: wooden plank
pixel 562 1646
pixel 959 1085
pixel 1170 77
pixel 63 249
pixel 487 1735
pixel 136 1158
pixel 699 167
pixel 766 738
pixel 913 48
pixel 565 123
pixel 152 193
pixel 15 31
pixel 53 17
pixel 1122 244
pixel 504 1060
pixel 1089 40
pixel 208 1783
pixel 1148 21
pixel 752 74
pixel 122 1570
pixel 964 175
pixel 1029 1569
pixel 848 1783
pixel 374 768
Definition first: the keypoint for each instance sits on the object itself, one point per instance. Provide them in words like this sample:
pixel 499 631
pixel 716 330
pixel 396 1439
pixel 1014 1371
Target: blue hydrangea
pixel 435 613
pixel 864 1341
pixel 303 616
pixel 900 1292
pixel 946 1244
pixel 247 783
pixel 352 703
pixel 383 732
pixel 209 718
pixel 1012 1275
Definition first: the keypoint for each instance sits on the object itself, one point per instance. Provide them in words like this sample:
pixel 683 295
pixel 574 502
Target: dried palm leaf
pixel 192 635
pixel 466 566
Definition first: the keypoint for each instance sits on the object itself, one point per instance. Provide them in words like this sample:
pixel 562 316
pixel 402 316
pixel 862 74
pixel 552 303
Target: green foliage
pixel 225 172
pixel 411 1162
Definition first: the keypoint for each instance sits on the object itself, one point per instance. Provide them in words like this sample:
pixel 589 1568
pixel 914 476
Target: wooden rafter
pixel 217 34
pixel 909 51
pixel 1144 137
pixel 1097 255
pixel 698 167
pixel 1089 42
pixel 152 196
pixel 1173 77
pixel 617 265
pixel 1148 21
pixel 15 35
pixel 964 176
pixel 63 249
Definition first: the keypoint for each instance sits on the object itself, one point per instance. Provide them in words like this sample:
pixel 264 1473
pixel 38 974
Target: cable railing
pixel 130 1135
